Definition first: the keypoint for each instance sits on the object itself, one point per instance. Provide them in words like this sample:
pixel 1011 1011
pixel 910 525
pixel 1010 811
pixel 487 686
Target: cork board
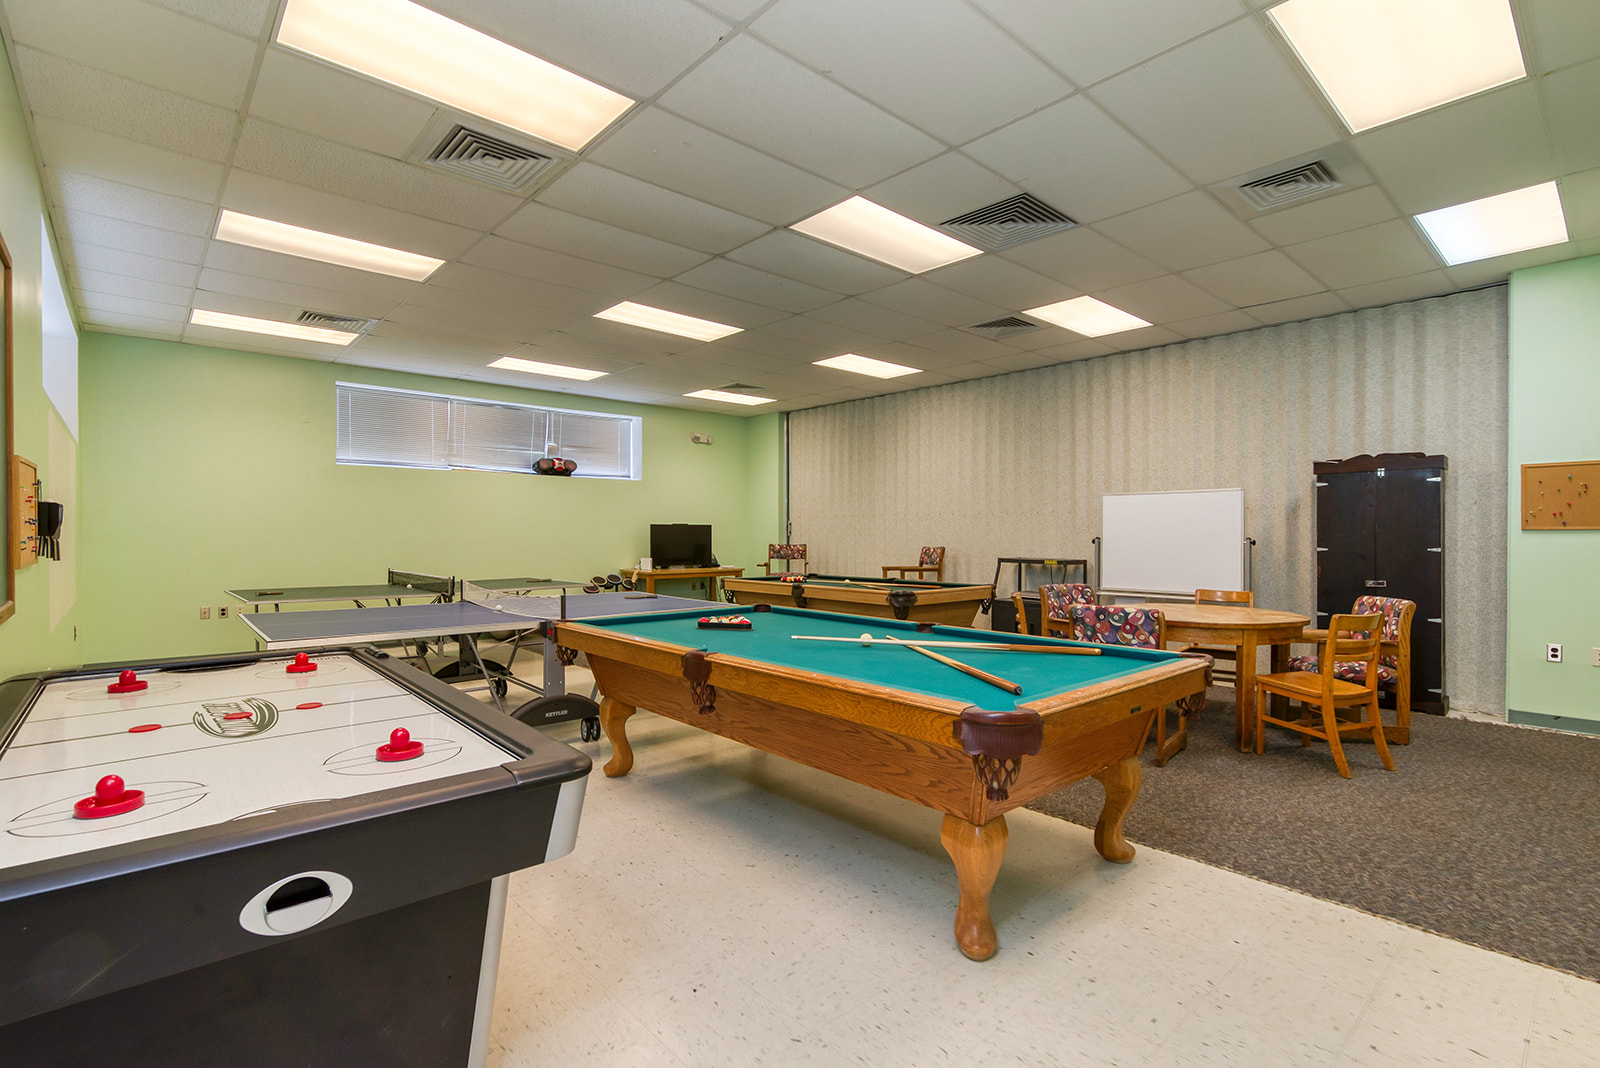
pixel 1561 496
pixel 24 512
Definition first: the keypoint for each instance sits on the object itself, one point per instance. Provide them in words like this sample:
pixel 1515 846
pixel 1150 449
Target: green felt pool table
pixel 898 721
pixel 955 603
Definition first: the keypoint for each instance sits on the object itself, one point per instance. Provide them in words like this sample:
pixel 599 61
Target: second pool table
pixel 926 602
pixel 897 721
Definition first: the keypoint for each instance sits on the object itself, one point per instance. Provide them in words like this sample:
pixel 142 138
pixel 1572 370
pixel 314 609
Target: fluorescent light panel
pixel 550 370
pixel 1085 315
pixel 730 398
pixel 665 321
pixel 866 365
pixel 406 45
pixel 201 317
pixel 1381 60
pixel 880 234
pixel 1497 225
pixel 275 236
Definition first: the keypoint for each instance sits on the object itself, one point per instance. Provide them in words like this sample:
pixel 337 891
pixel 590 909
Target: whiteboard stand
pixel 1166 545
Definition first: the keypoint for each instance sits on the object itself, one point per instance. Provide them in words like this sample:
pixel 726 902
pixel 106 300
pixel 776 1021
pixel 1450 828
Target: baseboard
pixel 1571 724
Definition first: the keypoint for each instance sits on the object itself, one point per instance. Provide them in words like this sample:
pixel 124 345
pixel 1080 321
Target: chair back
pixel 1397 614
pixel 1057 598
pixel 786 552
pixel 932 556
pixel 1352 639
pixel 1111 624
pixel 1238 597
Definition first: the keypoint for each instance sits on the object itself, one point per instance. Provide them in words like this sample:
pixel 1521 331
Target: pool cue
pixel 983 676
pixel 1077 650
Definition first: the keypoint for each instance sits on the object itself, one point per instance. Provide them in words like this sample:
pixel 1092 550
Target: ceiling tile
pixel 804 259
pixel 1163 300
pixel 273 198
pixel 1089 40
pixel 112 304
pixel 81 226
pixel 296 270
pixel 757 286
pixel 1438 158
pixel 475 279
pixel 873 320
pixel 129 285
pixel 77 148
pixel 113 105
pixel 1186 231
pixel 1371 254
pixel 245 17
pixel 500 254
pixel 1296 308
pixel 1084 260
pixel 302 94
pixel 717 307
pixel 759 97
pixel 668 151
pixel 932 303
pixel 942 188
pixel 606 195
pixel 1260 278
pixel 901 54
pixel 1075 157
pixel 1242 107
pixel 1231 322
pixel 85 193
pixel 1324 216
pixel 1395 290
pixel 310 298
pixel 545 227
pixel 1570 97
pixel 1560 32
pixel 998 282
pixel 140 42
pixel 87 257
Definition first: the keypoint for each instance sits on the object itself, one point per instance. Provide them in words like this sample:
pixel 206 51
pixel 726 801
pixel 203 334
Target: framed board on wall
pixel 1172 543
pixel 8 601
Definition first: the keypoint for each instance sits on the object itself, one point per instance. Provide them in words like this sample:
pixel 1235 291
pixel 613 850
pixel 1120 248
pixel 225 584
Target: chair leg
pixel 1330 725
pixel 1378 739
pixel 1261 711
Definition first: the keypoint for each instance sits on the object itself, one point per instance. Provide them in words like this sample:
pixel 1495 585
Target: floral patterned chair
pixel 931 560
pixel 1055 607
pixel 788 554
pixel 1394 658
pixel 1140 628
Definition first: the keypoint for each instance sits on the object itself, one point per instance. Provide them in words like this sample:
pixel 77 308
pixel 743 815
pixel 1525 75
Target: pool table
pixel 890 718
pixel 926 602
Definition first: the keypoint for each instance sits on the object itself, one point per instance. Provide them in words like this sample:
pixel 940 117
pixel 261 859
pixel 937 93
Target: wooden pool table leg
pixel 977 852
pixel 614 719
pixel 1121 781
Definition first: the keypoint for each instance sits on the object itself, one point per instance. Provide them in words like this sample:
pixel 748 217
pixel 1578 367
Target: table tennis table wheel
pixel 498 686
pixel 590 730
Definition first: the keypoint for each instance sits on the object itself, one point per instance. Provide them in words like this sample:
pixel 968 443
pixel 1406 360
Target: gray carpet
pixel 1485 833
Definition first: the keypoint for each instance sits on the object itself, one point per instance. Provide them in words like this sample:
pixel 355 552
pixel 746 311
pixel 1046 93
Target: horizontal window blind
pixel 405 428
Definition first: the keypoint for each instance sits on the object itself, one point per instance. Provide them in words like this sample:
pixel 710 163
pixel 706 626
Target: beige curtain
pixel 1016 465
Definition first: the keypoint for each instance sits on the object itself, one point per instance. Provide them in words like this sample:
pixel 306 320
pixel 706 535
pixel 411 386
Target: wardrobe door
pixel 1409 557
pixel 1346 519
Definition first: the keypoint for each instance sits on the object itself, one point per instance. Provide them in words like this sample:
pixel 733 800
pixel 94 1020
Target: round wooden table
pixel 1246 629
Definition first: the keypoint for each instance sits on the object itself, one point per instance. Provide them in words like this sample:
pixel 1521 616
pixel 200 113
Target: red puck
pixel 143 727
pixel 302 662
pixel 111 798
pixel 127 682
pixel 400 746
pixel 310 704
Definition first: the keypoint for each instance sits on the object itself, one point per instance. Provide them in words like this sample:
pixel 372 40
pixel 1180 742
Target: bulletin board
pixel 24 512
pixel 1563 496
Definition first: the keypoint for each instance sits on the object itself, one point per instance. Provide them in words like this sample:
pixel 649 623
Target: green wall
pixel 206 469
pixel 41 632
pixel 1553 577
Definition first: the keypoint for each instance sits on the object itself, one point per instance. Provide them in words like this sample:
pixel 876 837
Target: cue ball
pixel 866 639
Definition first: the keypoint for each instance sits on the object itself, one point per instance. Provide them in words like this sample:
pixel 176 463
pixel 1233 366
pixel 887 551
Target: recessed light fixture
pixel 406 45
pixel 1497 225
pixel 665 321
pixel 1381 60
pixel 866 365
pixel 880 234
pixel 729 398
pixel 549 370
pixel 274 236
pixel 201 317
pixel 1087 316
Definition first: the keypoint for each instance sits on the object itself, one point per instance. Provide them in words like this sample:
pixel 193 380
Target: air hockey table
pixel 313 870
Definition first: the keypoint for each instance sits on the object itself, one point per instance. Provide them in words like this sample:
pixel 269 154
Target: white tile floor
pixel 725 907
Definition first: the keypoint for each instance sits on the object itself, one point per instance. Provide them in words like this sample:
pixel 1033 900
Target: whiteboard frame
pixel 1173 542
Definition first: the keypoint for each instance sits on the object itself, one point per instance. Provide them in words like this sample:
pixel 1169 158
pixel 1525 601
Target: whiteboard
pixel 1172 543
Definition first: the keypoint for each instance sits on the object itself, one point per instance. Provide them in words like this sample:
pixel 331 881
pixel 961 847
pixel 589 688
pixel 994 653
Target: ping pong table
pixel 478 612
pixel 400 586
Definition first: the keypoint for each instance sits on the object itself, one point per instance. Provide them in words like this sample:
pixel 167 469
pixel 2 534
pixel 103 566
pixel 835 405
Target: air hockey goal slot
pixel 295 903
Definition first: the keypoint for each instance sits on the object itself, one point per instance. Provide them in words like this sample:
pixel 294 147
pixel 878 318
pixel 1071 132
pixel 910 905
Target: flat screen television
pixel 681 545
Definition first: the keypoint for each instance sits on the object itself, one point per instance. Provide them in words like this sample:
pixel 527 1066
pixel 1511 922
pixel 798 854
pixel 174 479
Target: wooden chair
pixel 1229 653
pixel 1351 639
pixel 1139 628
pixel 930 561
pixel 788 554
pixel 1055 607
pixel 1394 658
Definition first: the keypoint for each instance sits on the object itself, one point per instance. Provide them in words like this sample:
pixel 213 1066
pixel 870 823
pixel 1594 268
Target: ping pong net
pixel 441 587
pixel 529 607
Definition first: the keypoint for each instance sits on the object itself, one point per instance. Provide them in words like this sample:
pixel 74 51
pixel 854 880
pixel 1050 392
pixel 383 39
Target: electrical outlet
pixel 222 611
pixel 205 611
pixel 1595 653
pixel 1552 653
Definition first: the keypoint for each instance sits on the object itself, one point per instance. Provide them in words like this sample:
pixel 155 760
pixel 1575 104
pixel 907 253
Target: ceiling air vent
pixel 995 329
pixel 738 387
pixel 1308 180
pixel 1008 223
pixel 334 322
pixel 491 160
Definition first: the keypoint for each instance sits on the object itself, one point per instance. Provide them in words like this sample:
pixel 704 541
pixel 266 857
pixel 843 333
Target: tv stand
pixel 710 574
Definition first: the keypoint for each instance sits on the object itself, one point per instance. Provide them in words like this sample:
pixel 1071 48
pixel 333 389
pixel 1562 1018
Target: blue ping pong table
pixel 466 620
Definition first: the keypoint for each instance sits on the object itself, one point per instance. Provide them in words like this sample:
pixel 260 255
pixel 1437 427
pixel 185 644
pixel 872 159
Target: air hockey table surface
pixel 277 866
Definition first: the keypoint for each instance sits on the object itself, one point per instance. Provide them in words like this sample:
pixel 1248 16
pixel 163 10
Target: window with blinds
pixel 405 428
